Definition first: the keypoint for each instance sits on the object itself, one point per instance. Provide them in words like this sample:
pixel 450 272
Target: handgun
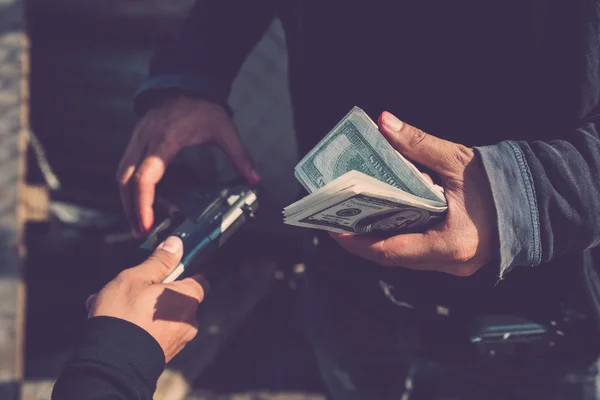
pixel 204 218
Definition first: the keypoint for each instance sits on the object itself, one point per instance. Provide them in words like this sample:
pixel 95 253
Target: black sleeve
pixel 117 360
pixel 211 48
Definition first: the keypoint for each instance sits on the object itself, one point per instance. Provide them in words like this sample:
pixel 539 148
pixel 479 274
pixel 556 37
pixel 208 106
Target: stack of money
pixel 359 184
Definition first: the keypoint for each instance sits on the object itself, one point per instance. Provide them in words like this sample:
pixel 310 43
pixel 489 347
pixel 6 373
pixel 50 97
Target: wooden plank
pixel 36 203
pixel 37 390
pixel 14 69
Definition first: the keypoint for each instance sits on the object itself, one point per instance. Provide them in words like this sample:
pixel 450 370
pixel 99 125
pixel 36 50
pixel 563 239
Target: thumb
pixel 233 146
pixel 442 156
pixel 162 261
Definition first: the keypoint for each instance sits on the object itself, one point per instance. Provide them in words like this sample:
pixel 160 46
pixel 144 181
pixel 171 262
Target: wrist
pixel 160 98
pixel 123 343
pixel 158 88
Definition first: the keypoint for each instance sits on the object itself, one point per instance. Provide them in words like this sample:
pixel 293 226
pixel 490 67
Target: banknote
pixel 357 203
pixel 359 212
pixel 359 184
pixel 355 143
pixel 356 180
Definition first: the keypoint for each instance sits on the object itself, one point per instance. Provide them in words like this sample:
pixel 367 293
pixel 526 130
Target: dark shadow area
pixel 269 351
pixel 169 300
pixel 265 350
pixel 87 61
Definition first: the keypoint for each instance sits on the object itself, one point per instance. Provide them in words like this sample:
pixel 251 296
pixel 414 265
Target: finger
pixel 127 166
pixel 162 261
pixel 427 177
pixel 148 174
pixel 233 146
pixel 89 303
pixel 400 250
pixel 203 282
pixel 438 154
pixel 191 287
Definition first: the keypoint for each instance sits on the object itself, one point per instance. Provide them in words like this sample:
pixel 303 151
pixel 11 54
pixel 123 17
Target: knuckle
pixel 165 262
pixel 195 290
pixel 200 293
pixel 464 253
pixel 416 137
pixel 191 333
pixel 457 158
pixel 125 275
pixel 139 177
pixel 385 256
pixel 462 156
pixel 170 145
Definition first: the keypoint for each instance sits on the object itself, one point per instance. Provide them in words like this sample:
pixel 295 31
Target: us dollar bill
pixel 355 143
pixel 365 213
pixel 359 184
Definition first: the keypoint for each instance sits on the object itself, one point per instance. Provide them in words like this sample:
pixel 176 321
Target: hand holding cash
pixel 359 183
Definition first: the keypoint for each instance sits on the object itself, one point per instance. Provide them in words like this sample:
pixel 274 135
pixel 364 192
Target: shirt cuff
pixel 517 212
pixel 161 86
pixel 114 341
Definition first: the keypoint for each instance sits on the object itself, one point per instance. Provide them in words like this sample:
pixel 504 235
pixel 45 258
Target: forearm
pixel 117 360
pixel 546 195
pixel 205 58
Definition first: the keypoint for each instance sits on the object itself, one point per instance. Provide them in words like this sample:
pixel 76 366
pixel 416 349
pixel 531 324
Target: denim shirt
pixel 517 82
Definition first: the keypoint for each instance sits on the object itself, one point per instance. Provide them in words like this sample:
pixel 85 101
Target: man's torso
pixel 472 72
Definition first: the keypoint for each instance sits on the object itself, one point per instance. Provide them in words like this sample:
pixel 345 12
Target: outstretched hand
pixel 177 123
pixel 165 311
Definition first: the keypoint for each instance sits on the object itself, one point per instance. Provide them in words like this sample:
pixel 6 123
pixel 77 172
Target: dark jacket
pixel 518 80
pixel 117 360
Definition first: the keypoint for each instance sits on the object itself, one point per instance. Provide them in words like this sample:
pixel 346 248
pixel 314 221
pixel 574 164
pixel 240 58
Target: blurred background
pixel 68 74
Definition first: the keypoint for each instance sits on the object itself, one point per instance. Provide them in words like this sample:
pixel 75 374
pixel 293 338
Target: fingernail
pixel 392 122
pixel 255 177
pixel 172 245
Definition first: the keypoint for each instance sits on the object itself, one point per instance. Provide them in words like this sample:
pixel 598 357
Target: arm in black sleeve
pixel 547 196
pixel 547 193
pixel 203 61
pixel 567 185
pixel 117 360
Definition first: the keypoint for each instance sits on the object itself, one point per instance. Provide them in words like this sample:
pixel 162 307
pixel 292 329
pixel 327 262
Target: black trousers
pixel 369 347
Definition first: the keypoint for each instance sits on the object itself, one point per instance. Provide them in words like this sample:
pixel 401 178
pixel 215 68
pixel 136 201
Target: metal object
pixel 204 220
